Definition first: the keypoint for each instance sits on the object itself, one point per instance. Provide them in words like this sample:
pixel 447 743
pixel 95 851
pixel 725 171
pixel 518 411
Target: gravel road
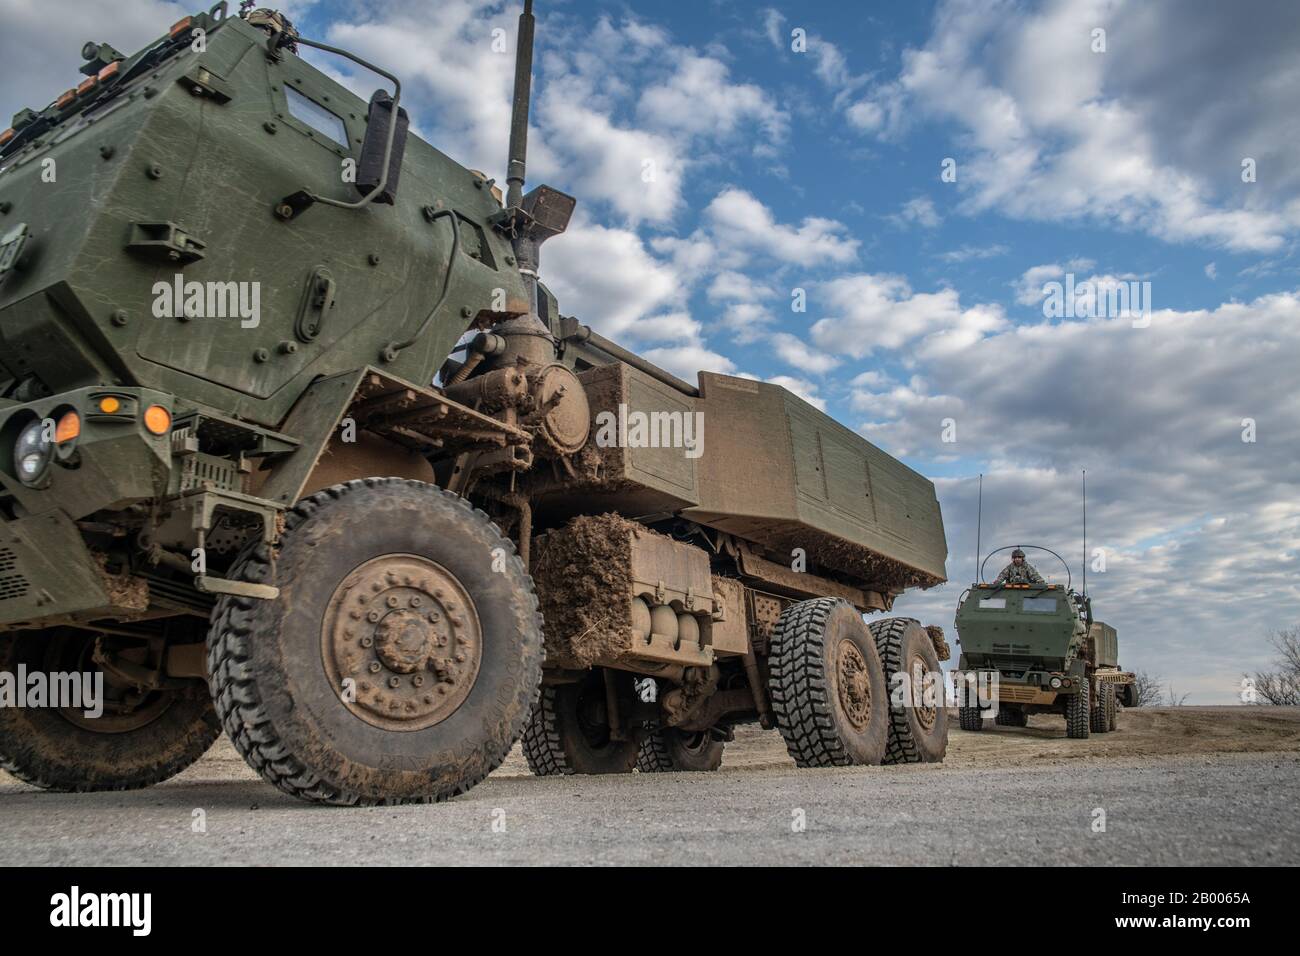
pixel 1004 796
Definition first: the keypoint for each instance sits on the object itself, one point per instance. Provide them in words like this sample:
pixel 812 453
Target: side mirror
pixel 370 168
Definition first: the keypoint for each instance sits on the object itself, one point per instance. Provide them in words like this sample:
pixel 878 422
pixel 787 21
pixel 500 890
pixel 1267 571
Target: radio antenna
pixel 979 521
pixel 1085 532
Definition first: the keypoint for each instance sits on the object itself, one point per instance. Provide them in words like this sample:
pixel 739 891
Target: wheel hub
pixel 854 684
pixel 401 642
pixel 926 715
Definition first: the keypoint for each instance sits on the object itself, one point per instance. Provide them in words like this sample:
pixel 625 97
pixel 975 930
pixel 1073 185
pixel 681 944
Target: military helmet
pixel 1017 553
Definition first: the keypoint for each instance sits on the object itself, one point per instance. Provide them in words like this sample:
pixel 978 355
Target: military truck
pixel 294 443
pixel 1048 653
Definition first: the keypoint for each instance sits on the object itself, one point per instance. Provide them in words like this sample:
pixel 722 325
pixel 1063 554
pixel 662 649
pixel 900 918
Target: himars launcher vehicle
pixel 1049 654
pixel 293 442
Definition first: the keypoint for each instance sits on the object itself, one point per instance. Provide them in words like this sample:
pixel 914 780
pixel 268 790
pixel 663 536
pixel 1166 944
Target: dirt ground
pixel 1144 732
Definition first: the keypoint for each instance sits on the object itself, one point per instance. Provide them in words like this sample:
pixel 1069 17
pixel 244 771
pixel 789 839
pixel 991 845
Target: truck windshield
pixel 996 604
pixel 1039 605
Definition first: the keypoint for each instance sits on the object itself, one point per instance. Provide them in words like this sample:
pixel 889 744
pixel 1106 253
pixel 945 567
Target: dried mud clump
pixel 124 591
pixel 583 576
pixel 941 648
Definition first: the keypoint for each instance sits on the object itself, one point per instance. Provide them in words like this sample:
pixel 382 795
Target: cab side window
pixel 308 111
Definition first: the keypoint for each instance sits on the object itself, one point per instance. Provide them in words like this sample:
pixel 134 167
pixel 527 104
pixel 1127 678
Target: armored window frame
pixel 993 604
pixel 284 113
pixel 315 115
pixel 1039 605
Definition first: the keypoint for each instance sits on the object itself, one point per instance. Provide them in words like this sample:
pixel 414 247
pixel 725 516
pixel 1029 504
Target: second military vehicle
pixel 1047 652
pixel 295 444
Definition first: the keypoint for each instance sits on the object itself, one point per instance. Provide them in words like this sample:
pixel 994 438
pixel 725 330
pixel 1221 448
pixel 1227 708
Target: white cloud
pixel 1053 131
pixel 699 99
pixel 1029 287
pixel 730 285
pixel 801 387
pixel 742 220
pixel 919 211
pixel 685 361
pixel 967 253
pixel 794 351
pixel 870 312
pixel 630 285
pixel 832 69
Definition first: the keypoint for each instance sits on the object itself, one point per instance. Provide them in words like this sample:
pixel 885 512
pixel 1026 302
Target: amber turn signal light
pixel 109 405
pixel 157 419
pixel 68 428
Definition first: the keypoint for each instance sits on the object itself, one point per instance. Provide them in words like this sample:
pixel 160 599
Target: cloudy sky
pixel 726 154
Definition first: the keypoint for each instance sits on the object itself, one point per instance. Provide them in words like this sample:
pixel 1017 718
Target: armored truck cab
pixel 295 444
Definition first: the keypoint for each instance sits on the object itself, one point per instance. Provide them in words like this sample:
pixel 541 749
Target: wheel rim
pixel 854 684
pixel 694 743
pixel 124 708
pixel 926 715
pixel 401 642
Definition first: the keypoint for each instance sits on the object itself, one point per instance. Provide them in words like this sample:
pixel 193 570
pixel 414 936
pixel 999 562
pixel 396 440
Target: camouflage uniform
pixel 1025 574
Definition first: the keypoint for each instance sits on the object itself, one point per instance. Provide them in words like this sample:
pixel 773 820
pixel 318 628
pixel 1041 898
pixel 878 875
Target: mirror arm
pixel 293 204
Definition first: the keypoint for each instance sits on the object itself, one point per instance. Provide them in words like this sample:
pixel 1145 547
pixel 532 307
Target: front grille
pixel 207 472
pixel 1013 650
pixel 1017 694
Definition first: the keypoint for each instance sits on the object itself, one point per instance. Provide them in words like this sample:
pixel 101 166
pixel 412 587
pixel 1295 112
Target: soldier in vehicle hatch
pixel 1019 571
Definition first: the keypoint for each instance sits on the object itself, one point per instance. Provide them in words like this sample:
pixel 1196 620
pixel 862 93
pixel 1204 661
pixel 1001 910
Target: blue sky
pixel 777 170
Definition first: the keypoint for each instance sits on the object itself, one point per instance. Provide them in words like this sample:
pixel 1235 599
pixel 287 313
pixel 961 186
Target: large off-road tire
pixel 1010 717
pixel 401 659
pixel 669 749
pixel 827 685
pixel 970 718
pixel 1098 719
pixel 1078 714
pixel 569 732
pixel 136 742
pixel 1111 701
pixel 918 729
pixel 1128 694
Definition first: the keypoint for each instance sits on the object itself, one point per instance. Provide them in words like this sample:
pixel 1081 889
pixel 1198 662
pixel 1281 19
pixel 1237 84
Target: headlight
pixel 33 452
pixel 1055 682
